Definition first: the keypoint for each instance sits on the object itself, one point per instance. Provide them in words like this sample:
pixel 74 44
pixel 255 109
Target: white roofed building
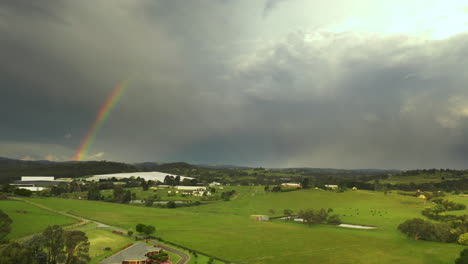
pixel 37 178
pixel 153 176
pixel 36 183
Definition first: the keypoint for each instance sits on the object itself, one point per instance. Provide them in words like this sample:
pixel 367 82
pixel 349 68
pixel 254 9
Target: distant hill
pixel 156 165
pixel 11 169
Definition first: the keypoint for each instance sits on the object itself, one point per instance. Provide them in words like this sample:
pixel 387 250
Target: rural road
pixel 184 257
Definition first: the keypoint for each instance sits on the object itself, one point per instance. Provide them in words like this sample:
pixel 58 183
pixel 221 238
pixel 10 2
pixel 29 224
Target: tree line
pixel 53 246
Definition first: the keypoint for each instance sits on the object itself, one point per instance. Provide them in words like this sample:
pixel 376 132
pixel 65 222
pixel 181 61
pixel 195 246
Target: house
pixel 138 253
pixel 214 184
pixel 291 185
pixel 331 186
pixel 36 183
pixel 354 188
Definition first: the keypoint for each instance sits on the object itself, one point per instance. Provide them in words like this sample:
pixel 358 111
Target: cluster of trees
pixel 322 216
pixel 438 212
pixel 174 181
pixel 449 205
pixel 148 230
pixel 53 246
pixel 419 229
pixel 120 195
pixel 227 195
pixel 451 229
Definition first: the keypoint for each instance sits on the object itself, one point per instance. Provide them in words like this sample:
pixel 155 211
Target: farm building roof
pixel 136 251
pixel 37 183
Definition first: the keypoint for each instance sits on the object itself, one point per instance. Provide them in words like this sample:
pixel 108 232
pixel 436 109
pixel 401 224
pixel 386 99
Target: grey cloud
pixel 197 92
pixel 270 5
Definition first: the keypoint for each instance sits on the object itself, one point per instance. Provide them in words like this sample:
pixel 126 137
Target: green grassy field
pixel 225 230
pixel 99 239
pixel 29 219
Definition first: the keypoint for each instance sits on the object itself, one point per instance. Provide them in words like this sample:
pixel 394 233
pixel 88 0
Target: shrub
pixel 463 239
pixel 23 192
pixel 171 204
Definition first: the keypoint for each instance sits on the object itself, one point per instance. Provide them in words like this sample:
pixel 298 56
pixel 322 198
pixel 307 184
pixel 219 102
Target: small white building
pixel 214 184
pixel 331 186
pixel 191 188
pixel 31 188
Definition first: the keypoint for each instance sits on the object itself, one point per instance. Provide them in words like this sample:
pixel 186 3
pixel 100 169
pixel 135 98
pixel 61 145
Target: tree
pixel 416 228
pixel 139 228
pixel 145 185
pixel 307 216
pixel 14 252
pixel 129 232
pixel 149 203
pixel 5 225
pixel 127 197
pixel 272 211
pixel 148 230
pixel 320 216
pixel 171 204
pixel 35 245
pixel 267 188
pixel 8 188
pixel 463 239
pixel 54 242
pixel 334 219
pixel 93 192
pixel 276 189
pixel 305 183
pixel 288 213
pixel 76 247
pixel 463 259
pixel 22 192
pixel 119 193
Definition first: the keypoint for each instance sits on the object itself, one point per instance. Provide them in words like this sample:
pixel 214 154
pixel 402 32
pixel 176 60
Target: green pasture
pixel 99 239
pixel 224 229
pixel 29 219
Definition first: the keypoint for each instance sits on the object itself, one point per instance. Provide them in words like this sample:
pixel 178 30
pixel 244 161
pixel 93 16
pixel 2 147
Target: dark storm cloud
pixel 200 89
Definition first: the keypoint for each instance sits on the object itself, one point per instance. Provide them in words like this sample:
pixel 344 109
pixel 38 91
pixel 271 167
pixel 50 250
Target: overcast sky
pixel 273 83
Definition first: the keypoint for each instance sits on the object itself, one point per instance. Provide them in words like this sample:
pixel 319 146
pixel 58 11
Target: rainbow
pixel 100 118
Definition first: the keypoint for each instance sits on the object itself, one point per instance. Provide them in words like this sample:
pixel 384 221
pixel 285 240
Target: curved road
pixel 184 257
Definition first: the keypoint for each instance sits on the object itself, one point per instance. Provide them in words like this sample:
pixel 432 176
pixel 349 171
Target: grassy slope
pixel 33 221
pixel 100 239
pixel 224 229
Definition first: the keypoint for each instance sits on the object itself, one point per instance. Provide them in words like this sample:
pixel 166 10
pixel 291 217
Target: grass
pixel 29 219
pixel 100 239
pixel 224 229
